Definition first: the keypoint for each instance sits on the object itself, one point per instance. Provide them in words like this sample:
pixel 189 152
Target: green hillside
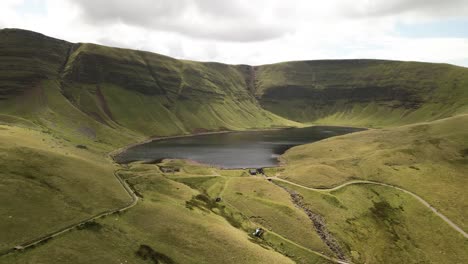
pixel 117 96
pixel 178 218
pixel 47 183
pixel 427 159
pixel 134 94
pixel 65 106
pixel 362 92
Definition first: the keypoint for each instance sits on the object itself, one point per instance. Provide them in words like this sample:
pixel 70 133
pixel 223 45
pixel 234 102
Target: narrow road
pixel 339 261
pixel 46 237
pixel 421 200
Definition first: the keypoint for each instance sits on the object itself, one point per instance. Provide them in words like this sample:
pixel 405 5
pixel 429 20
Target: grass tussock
pixel 148 253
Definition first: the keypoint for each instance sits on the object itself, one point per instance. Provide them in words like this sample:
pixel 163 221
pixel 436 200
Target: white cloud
pixel 221 20
pixel 253 32
pixel 420 8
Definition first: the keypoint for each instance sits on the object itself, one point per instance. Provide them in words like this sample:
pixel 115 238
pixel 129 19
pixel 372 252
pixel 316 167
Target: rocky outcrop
pixel 100 81
pixel 89 68
pixel 318 223
pixel 407 98
pixel 26 58
pixel 310 90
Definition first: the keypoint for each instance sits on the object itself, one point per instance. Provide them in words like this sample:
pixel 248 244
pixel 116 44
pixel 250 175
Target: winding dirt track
pixel 73 226
pixel 332 259
pixel 135 201
pixel 421 200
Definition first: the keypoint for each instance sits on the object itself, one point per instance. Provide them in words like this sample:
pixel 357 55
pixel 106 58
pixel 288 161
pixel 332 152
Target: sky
pixel 256 31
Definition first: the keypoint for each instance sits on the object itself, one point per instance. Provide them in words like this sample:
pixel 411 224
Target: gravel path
pixel 421 200
pixel 46 237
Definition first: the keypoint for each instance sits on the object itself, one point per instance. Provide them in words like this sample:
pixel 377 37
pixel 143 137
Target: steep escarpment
pixel 66 105
pixel 362 92
pixel 158 95
pixel 98 92
pixel 26 59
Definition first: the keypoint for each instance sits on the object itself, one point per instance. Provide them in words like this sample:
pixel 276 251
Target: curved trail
pixel 421 200
pixel 332 259
pixel 135 201
pixel 73 226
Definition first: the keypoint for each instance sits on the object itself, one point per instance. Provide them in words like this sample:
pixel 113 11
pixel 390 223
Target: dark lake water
pixel 232 150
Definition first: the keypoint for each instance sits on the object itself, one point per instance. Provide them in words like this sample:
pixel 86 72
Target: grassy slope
pixel 374 224
pixel 377 224
pixel 162 220
pixel 252 202
pixel 104 97
pixel 363 92
pixel 261 202
pixel 43 178
pixel 32 93
pixel 157 95
pixel 117 96
pixel 428 159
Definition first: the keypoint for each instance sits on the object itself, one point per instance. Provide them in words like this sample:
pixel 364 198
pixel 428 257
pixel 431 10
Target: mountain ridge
pixel 143 94
pixel 64 106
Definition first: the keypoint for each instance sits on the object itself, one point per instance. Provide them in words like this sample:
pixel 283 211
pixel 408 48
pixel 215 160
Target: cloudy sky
pixel 256 31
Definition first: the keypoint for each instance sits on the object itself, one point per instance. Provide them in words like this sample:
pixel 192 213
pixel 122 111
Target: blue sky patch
pixel 34 7
pixel 449 28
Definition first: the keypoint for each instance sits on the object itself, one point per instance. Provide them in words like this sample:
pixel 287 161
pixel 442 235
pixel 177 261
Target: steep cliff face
pixel 130 92
pixel 97 90
pixel 377 92
pixel 154 94
pixel 90 65
pixel 26 59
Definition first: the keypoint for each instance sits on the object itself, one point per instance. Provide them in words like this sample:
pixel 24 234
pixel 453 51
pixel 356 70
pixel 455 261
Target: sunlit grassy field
pixel 378 224
pixel 162 220
pixel 47 183
pixel 428 159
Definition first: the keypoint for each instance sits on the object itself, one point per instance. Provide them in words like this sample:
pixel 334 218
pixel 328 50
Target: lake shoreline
pixel 118 151
pixel 121 156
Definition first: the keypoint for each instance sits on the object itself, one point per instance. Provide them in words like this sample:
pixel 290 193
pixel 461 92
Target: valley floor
pixel 392 195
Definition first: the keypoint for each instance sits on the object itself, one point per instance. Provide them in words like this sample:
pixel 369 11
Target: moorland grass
pixel 425 159
pixel 378 224
pixel 48 183
pixel 57 95
pixel 370 93
pixel 160 220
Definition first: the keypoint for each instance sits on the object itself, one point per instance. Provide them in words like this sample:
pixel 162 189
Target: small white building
pixel 258 232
